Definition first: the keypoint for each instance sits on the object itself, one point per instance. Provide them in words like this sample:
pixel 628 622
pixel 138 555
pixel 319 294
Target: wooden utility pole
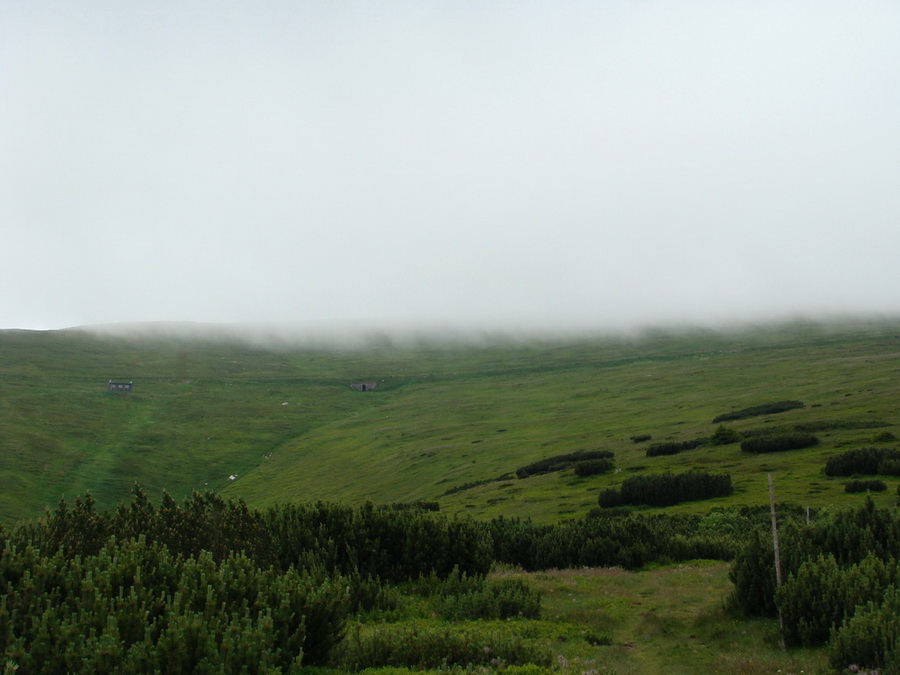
pixel 774 533
pixel 777 555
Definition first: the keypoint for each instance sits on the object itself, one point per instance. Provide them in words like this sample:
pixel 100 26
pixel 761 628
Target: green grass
pixel 667 620
pixel 444 414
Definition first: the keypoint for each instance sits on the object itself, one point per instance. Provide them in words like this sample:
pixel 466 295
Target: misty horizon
pixel 354 336
pixel 460 167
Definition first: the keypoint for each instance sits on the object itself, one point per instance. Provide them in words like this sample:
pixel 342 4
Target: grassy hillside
pixel 285 421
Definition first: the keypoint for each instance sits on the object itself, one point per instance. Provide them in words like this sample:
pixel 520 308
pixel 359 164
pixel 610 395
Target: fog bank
pixel 499 166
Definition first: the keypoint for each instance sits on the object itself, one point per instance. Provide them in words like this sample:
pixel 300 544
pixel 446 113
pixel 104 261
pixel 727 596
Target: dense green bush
pixel 205 523
pixel 666 489
pixel 753 576
pixel 730 521
pixel 663 449
pixel 560 462
pixel 629 541
pixel 641 438
pixel 822 595
pixel 505 599
pixel 384 543
pixel 848 536
pixel 871 637
pixel 135 607
pixel 757 410
pixel 864 461
pixel 591 467
pixel 459 597
pixel 779 442
pixel 391 545
pixel 873 485
pixel 724 436
pixel 430 645
pixel 673 447
pixel 422 506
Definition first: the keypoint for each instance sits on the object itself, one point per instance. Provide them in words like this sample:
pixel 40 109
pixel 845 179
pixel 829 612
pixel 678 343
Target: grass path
pixel 669 620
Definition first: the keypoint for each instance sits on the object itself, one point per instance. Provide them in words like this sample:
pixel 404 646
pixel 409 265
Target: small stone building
pixel 364 386
pixel 118 387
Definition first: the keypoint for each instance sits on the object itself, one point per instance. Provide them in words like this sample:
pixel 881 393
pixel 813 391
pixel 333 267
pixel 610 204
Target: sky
pixel 531 164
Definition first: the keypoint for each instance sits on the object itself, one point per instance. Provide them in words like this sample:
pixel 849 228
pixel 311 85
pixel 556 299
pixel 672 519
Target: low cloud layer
pixel 490 165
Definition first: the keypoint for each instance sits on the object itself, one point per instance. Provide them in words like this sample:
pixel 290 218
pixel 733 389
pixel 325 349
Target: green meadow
pixel 284 420
pixel 451 421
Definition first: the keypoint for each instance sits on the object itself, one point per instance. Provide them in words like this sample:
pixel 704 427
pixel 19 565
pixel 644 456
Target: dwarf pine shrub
pixel 591 467
pixel 757 410
pixel 629 541
pixel 135 607
pixel 205 522
pixel 428 645
pixel 848 536
pixel 822 595
pixel 560 462
pixel 779 442
pixel 665 489
pixel 724 436
pixel 504 599
pixel 864 461
pixel 872 485
pixel 871 637
pixel 385 543
pixel 673 447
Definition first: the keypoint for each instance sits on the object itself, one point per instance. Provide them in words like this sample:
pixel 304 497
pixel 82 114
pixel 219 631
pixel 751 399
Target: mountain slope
pixel 284 420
